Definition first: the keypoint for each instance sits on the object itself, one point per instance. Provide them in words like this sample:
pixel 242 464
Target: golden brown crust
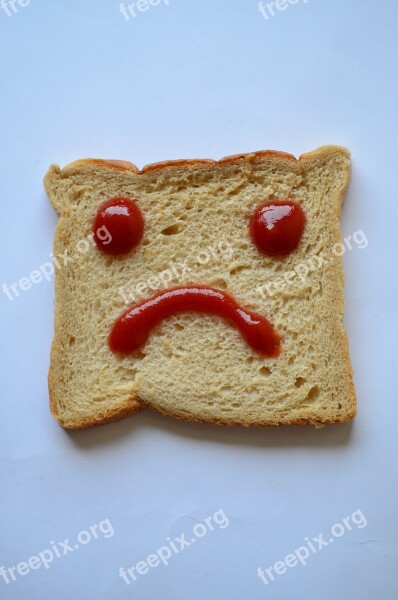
pixel 122 165
pixel 127 411
pixel 178 164
pixel 200 162
pixel 318 423
pixel 182 163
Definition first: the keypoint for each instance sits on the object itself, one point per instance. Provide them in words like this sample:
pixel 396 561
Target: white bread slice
pixel 195 366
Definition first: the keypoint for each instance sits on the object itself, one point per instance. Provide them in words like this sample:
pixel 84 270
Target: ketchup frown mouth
pixel 132 329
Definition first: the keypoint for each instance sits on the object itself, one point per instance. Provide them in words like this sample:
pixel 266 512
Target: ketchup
pixel 132 328
pixel 124 223
pixel 276 227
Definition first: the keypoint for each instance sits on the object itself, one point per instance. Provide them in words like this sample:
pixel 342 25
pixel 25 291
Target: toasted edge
pixel 202 162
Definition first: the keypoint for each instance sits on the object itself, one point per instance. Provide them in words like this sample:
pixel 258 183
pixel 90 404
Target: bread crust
pixel 189 162
pixel 134 404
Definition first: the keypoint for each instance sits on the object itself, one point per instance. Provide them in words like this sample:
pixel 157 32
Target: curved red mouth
pixel 131 331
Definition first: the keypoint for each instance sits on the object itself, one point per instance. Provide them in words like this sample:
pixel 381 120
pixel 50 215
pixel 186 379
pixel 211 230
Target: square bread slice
pixel 196 366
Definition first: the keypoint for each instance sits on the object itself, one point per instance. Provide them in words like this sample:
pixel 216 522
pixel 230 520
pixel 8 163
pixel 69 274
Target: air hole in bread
pixel 313 394
pixel 225 391
pixel 238 269
pixel 219 283
pixel 172 229
pixel 299 382
pixel 265 371
pixel 78 193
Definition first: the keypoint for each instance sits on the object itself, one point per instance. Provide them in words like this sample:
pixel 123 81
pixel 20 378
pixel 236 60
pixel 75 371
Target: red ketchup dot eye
pixel 276 227
pixel 118 226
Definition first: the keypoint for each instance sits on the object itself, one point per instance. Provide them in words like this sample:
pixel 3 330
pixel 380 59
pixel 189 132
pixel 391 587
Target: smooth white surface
pixel 198 79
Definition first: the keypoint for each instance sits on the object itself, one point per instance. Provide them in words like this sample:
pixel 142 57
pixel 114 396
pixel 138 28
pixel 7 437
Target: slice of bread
pixel 196 366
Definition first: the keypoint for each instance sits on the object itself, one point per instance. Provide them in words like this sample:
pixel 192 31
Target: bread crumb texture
pixel 194 366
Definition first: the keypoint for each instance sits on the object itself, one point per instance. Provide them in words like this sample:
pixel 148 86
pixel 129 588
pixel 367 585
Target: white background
pixel 198 79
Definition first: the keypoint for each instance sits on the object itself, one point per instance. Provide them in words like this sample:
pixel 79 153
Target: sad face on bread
pixel 275 227
pixel 201 343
